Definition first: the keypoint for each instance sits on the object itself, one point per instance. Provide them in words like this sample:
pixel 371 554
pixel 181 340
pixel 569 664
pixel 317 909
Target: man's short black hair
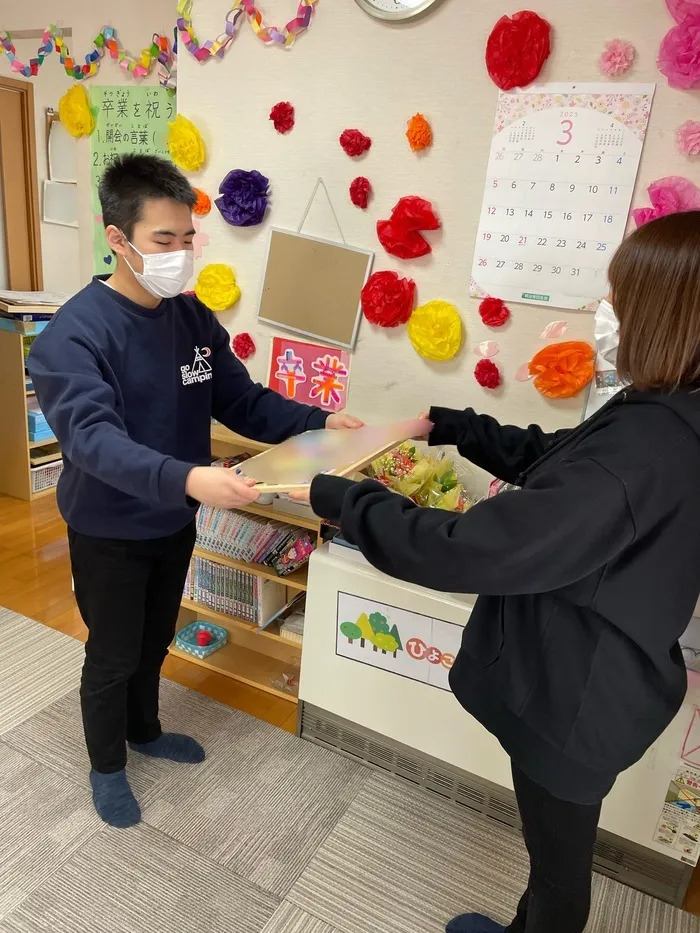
pixel 133 179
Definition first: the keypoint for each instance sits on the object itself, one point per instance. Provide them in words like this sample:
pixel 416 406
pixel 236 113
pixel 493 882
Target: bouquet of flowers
pixel 426 480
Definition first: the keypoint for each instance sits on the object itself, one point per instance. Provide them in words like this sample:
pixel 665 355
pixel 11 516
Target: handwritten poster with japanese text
pixel 309 373
pixel 128 119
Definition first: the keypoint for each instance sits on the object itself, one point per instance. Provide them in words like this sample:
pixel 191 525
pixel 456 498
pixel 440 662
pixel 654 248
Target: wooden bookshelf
pixel 16 449
pixel 250 667
pixel 46 442
pixel 256 657
pixel 295 580
pixel 311 522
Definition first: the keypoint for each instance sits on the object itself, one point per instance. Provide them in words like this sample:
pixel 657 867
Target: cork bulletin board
pixel 312 287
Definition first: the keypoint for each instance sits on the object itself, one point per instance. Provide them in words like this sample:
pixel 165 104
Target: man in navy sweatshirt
pixel 129 373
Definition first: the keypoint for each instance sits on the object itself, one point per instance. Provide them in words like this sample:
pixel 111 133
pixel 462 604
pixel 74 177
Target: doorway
pixel 20 230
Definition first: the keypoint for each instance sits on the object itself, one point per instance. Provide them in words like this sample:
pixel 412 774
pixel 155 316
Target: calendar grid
pixel 552 216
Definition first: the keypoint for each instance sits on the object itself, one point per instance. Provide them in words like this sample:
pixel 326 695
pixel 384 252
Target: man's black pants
pixel 559 837
pixel 128 593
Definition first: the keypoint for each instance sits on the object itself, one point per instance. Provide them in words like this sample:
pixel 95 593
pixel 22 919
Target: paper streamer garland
pixel 106 42
pixel 217 48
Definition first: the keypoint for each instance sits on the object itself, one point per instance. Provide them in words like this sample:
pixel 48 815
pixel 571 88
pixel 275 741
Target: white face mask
pixel 164 275
pixel 606 329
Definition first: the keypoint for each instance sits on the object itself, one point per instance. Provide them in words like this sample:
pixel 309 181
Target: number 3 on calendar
pixel 567 128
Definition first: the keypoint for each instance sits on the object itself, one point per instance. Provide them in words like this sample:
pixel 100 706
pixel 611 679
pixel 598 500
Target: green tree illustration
pixel 386 643
pixel 351 631
pixel 366 630
pixel 395 634
pixel 378 623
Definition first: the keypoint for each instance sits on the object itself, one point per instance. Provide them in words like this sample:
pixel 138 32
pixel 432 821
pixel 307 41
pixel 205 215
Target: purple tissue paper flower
pixel 243 200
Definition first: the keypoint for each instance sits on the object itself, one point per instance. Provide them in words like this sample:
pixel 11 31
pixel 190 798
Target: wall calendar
pixel 559 185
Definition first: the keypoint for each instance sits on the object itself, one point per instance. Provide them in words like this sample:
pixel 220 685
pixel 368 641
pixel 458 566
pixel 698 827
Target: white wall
pixel 349 70
pixel 59 245
pixel 67 253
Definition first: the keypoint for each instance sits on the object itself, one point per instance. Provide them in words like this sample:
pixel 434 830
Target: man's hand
pixel 220 487
pixel 301 495
pixel 423 416
pixel 340 420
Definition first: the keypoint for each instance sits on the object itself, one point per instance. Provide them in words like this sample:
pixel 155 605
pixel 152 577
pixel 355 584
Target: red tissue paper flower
pixel 487 374
pixel 400 234
pixel 354 142
pixel 243 346
pixel 282 116
pixel 360 191
pixel 493 312
pixel 387 299
pixel 517 49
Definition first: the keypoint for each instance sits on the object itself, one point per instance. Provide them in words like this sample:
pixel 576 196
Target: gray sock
pixel 114 800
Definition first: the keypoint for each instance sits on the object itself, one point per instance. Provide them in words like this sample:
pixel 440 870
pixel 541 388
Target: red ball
pixel 493 312
pixel 204 638
pixel 243 346
pixel 282 116
pixel 354 142
pixel 360 190
pixel 487 374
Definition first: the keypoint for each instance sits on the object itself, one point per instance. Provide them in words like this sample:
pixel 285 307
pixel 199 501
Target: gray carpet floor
pixel 269 835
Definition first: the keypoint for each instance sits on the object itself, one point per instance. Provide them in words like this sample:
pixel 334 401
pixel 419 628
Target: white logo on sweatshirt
pixel 200 370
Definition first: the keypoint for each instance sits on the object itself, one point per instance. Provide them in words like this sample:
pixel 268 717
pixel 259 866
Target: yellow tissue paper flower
pixel 74 112
pixel 185 144
pixel 435 330
pixel 216 287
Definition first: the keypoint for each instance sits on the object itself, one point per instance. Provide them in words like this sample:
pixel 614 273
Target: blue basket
pixel 186 639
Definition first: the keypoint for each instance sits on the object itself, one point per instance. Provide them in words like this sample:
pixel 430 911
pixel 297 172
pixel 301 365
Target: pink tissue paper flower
pixel 679 54
pixel 617 58
pixel 682 9
pixel 688 138
pixel 671 195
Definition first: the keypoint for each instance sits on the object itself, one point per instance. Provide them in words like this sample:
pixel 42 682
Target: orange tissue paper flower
pixel 203 205
pixel 561 370
pixel 419 133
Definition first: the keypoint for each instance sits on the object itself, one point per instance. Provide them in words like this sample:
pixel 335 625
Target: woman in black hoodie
pixel 588 573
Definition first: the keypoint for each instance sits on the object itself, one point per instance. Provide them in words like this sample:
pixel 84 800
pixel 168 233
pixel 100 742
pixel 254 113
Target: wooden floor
pixel 35 580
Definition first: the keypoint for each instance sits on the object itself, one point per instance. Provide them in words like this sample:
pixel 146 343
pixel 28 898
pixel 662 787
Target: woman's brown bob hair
pixel 655 280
